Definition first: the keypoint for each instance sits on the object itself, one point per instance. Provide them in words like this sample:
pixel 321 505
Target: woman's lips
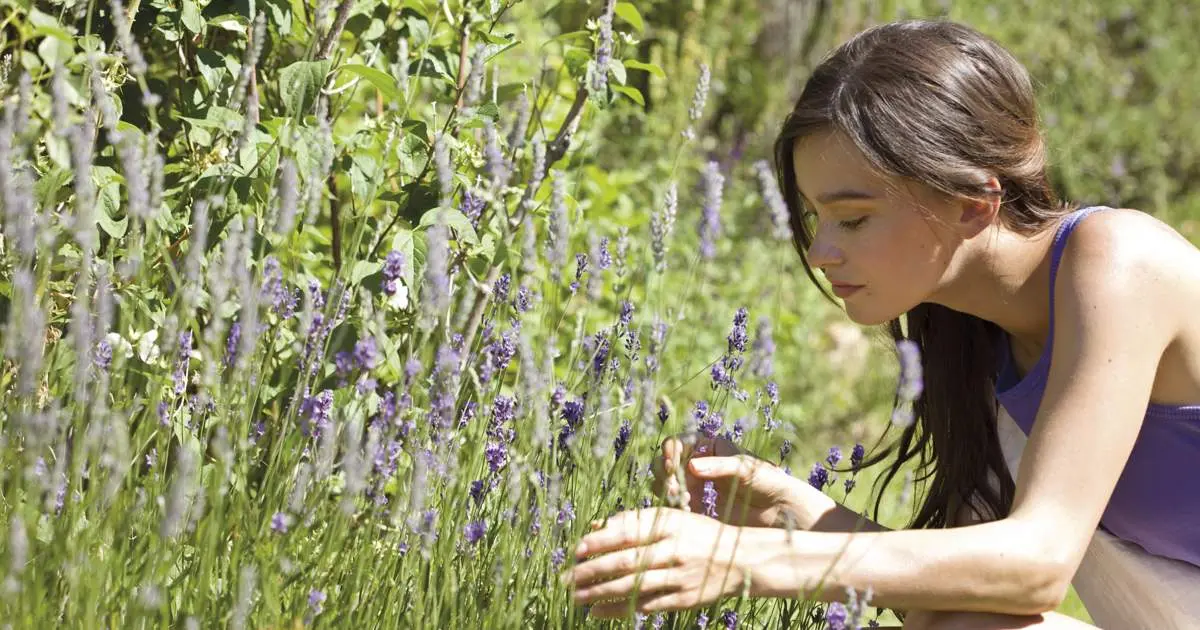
pixel 845 290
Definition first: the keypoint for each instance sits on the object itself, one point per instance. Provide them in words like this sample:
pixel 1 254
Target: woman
pixel 915 177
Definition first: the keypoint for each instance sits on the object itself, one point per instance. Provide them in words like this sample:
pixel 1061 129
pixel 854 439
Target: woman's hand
pixel 762 493
pixel 667 559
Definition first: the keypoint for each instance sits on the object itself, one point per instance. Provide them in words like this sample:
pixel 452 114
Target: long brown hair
pixel 940 104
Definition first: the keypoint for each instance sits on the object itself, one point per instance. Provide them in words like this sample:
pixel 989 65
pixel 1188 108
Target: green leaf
pixel 381 80
pixel 299 84
pixel 230 22
pixel 618 70
pixel 634 64
pixel 453 219
pixel 362 269
pixel 403 243
pixel 52 50
pixel 632 92
pixel 191 17
pixel 108 203
pixel 211 66
pixel 626 11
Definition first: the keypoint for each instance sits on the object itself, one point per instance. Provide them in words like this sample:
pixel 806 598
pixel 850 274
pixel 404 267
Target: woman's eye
pixel 853 224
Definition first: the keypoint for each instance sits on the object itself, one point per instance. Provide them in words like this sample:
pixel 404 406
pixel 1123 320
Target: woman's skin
pixel 1127 289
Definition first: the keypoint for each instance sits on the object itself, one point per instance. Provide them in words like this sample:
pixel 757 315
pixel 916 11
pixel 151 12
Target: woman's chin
pixel 864 316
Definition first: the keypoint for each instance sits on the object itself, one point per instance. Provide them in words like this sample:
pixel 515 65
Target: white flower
pixel 148 350
pixel 399 299
pixel 119 345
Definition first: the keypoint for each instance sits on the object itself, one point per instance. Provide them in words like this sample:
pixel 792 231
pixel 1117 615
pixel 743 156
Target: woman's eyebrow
pixel 843 195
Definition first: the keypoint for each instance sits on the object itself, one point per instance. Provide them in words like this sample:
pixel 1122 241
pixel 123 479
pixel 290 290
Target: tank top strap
pixel 1060 243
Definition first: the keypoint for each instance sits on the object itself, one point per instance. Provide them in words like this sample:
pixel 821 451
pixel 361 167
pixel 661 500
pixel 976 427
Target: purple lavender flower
pixel 663 412
pixel 478 490
pixel 835 616
pixel 315 412
pixel 435 291
pixel 712 425
pixel 280 523
pixel 730 619
pixel 819 477
pixel 710 221
pixel 702 621
pixel 781 228
pixel 581 261
pixel 737 336
pixel 315 600
pixel 393 269
pixel 622 439
pixel 835 456
pixel 557 231
pixel 566 513
pixel 785 449
pixel 504 412
pixel 604 44
pixel 283 302
pixel 366 353
pixel 739 429
pixel 849 484
pixel 231 343
pixel 343 362
pixel 496 454
pixel 472 206
pixel 626 313
pixel 185 350
pixel 603 257
pixel 701 94
pixel 709 500
pixel 856 456
pixel 474 531
pixel 763 350
pixel 522 302
pixel 911 382
pixel 500 288
pixel 572 413
pixel 557 557
pixel 102 356
pixel 661 226
pixel 412 367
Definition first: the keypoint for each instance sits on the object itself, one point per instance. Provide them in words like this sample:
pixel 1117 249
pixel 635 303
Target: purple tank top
pixel 1156 502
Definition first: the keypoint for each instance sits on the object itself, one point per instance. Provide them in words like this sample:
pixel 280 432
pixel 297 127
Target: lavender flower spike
pixel 710 221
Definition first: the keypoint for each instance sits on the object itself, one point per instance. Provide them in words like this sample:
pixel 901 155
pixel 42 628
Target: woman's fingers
pixel 618 563
pixel 620 608
pixel 627 529
pixel 624 586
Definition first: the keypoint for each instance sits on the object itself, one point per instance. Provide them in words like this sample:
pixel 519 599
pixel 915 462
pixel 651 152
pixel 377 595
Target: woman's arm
pixel 816 511
pixel 1110 332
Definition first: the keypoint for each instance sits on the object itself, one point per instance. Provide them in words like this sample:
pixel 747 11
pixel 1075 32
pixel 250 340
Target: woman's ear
pixel 976 215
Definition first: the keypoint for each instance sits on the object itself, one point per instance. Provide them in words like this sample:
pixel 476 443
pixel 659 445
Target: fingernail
pixel 580 549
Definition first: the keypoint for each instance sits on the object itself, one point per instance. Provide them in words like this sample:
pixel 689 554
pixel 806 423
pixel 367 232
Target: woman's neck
pixel 1003 277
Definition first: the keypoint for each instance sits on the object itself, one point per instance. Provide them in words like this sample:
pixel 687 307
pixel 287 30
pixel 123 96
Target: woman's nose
pixel 822 252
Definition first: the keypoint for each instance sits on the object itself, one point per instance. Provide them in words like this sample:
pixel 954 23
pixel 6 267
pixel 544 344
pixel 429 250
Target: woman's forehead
pixel 829 168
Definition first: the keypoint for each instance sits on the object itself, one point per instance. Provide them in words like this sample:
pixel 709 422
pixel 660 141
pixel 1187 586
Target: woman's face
pixel 873 236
